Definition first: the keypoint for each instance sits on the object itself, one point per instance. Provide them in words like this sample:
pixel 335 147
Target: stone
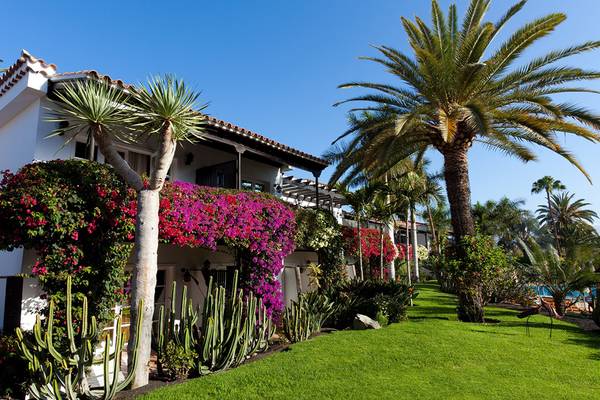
pixel 363 322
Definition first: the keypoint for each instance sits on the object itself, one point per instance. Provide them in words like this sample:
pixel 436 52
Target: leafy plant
pixel 176 361
pixel 369 297
pixel 178 333
pixel 58 375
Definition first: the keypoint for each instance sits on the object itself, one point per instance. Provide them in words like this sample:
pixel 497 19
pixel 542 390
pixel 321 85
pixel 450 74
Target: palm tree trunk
pixel 381 250
pixel 360 256
pixel 555 231
pixel 469 286
pixel 415 244
pixel 432 227
pixel 407 250
pixel 390 228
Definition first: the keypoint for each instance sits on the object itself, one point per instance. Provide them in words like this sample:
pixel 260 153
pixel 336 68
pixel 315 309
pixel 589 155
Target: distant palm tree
pixel 571 217
pixel 548 185
pixel 359 201
pixel 164 110
pixel 455 89
pixel 505 220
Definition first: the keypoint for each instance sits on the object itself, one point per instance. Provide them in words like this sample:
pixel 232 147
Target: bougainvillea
pixel 370 239
pixel 70 213
pixel 259 225
pixel 79 217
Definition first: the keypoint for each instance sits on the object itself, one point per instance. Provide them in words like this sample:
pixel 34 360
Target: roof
pixel 28 63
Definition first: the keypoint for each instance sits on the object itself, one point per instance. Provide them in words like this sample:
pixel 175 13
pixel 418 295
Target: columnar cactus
pixel 234 327
pixel 62 374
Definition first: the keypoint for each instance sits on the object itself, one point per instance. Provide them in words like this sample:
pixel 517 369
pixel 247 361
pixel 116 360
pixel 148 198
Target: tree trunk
pixel 390 229
pixel 381 251
pixel 433 232
pixel 144 280
pixel 456 174
pixel 407 250
pixel 360 257
pixel 559 303
pixel 415 244
pixel 554 230
pixel 458 189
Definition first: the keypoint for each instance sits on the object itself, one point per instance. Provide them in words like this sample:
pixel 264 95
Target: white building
pixel 231 157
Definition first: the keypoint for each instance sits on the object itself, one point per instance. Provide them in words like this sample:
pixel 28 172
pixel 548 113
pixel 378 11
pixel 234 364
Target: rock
pixel 363 322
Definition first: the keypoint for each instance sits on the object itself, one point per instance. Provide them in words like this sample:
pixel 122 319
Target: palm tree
pixel 559 275
pixel 410 191
pixel 163 111
pixel 548 185
pixel 455 89
pixel 381 210
pixel 505 220
pixel 358 200
pixel 572 219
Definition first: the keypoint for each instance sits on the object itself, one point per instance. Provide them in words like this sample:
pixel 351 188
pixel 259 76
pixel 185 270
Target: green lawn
pixel 431 356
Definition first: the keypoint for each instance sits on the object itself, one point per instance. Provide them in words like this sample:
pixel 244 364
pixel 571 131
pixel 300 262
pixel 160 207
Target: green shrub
pixel 176 361
pixel 369 297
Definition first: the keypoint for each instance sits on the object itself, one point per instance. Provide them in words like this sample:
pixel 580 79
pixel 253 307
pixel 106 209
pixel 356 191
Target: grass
pixel 430 356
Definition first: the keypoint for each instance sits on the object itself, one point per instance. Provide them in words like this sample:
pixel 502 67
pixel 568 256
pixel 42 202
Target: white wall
pixel 17 144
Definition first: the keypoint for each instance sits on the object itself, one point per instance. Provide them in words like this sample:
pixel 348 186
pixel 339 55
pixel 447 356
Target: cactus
pixel 183 334
pixel 233 328
pixel 63 375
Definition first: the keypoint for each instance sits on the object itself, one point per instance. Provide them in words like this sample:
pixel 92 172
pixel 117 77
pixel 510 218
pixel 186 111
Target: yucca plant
pixel 455 88
pixel 63 374
pixel 165 112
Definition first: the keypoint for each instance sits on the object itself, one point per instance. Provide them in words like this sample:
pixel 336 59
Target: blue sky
pixel 273 66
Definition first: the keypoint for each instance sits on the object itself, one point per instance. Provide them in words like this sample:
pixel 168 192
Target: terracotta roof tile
pixel 24 64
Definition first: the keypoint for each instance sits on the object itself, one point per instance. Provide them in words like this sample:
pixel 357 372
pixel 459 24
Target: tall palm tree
pixel 359 200
pixel 548 185
pixel 572 219
pixel 382 211
pixel 165 111
pixel 409 191
pixel 455 89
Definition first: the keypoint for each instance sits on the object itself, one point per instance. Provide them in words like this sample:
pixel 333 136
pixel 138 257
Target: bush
pixel 502 279
pixel 387 298
pixel 176 361
pixel 13 369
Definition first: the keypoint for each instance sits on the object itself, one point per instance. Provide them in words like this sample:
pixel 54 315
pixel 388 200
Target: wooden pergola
pixel 307 190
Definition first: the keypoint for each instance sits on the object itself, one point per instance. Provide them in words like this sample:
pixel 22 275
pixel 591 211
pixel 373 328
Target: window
pixel 82 151
pixel 254 186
